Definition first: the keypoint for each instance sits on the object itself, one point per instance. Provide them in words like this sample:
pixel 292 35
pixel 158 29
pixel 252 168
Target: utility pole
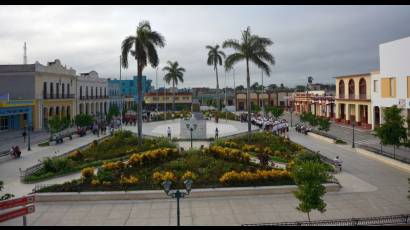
pixel 25 54
pixel 156 86
pixel 234 87
pixel 263 108
pixel 121 107
pixel 226 111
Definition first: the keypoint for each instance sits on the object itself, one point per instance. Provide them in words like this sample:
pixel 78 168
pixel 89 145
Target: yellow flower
pixel 188 175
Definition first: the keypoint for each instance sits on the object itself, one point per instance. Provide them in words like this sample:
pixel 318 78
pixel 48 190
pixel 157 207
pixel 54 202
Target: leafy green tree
pixel 5 196
pixel 309 176
pixel 310 118
pixel 83 120
pixel 113 111
pixel 55 124
pixel 215 57
pixel 174 73
pixel 392 131
pixel 144 43
pixel 272 86
pixel 240 87
pixel 251 48
pixel 324 124
pixel 255 108
pixel 300 88
pixel 276 111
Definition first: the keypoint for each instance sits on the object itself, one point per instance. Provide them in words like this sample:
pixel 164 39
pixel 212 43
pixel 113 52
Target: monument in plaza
pixel 195 124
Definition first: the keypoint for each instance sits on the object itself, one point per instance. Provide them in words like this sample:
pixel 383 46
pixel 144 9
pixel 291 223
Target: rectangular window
pixel 375 86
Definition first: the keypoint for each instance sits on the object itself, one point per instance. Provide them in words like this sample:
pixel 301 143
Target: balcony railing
pixel 354 97
pixel 92 97
pixel 58 96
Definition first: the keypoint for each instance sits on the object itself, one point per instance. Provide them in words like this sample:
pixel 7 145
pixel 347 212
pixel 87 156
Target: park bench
pixel 59 137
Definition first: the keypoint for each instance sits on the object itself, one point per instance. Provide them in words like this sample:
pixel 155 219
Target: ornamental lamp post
pixel 353 146
pixel 177 193
pixel 191 128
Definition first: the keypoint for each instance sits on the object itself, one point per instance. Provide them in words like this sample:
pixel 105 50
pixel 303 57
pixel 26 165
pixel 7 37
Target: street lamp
pixel 177 193
pixel 191 128
pixel 28 134
pixel 353 123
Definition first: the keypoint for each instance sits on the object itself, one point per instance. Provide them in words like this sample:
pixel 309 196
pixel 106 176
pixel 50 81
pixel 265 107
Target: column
pixel 370 115
pixel 357 113
pixel 347 112
pixel 337 111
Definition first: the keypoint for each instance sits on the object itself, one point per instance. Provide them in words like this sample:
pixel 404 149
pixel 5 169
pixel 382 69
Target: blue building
pixel 15 114
pixel 129 87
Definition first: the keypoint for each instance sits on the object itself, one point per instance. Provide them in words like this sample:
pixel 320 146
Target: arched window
pixel 341 89
pixel 57 111
pixel 50 114
pixel 68 90
pixel 86 91
pixel 57 90
pixel 81 92
pixel 351 89
pixel 362 88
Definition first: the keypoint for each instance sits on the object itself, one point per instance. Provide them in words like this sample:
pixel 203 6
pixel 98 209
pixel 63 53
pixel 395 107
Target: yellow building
pixel 182 100
pixel 353 100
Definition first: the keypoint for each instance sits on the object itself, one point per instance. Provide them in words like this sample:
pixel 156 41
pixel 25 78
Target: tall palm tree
pixel 174 73
pixel 251 48
pixel 215 58
pixel 144 43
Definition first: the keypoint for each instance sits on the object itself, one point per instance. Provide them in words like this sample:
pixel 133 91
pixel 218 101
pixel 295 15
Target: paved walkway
pixel 370 188
pixel 9 170
pixel 10 138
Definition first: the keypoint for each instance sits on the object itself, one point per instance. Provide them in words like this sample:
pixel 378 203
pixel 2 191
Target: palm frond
pixel 234 58
pixel 125 49
pixel 260 64
pixel 152 55
pixel 232 43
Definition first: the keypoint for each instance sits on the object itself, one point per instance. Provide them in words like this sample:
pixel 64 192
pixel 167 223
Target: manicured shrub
pixel 76 155
pixel 160 177
pixel 151 157
pixel 229 154
pixel 87 174
pixel 260 176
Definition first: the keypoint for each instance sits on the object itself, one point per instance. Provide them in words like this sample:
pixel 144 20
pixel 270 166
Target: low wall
pixel 329 140
pixel 159 194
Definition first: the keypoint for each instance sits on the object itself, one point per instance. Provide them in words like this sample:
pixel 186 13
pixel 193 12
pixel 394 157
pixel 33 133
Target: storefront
pixel 15 115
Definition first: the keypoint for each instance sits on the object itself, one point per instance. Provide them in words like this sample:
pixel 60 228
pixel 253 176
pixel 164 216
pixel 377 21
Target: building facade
pixel 164 99
pixel 129 87
pixel 16 114
pixel 268 97
pixel 391 85
pixel 92 95
pixel 49 86
pixel 353 100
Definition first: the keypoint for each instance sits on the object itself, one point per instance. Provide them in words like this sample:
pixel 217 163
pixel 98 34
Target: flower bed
pixel 121 145
pixel 212 167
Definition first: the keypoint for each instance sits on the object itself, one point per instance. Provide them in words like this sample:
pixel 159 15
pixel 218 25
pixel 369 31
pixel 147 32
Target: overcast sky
pixel 321 41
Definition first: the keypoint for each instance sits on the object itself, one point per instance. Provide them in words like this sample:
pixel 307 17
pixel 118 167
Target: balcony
pixel 58 96
pixel 354 97
pixel 92 97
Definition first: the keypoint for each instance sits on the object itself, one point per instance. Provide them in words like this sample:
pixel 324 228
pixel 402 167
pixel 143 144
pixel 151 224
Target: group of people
pixel 278 127
pixel 302 128
pixel 15 152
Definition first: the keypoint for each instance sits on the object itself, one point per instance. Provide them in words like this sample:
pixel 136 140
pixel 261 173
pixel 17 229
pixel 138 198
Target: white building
pixel 92 95
pixel 391 85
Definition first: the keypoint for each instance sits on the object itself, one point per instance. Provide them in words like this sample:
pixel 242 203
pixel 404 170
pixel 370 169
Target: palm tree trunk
pixel 139 102
pixel 217 87
pixel 173 97
pixel 308 216
pixel 248 100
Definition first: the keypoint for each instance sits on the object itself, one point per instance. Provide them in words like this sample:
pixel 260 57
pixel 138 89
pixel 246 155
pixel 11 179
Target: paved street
pixel 364 137
pixel 370 188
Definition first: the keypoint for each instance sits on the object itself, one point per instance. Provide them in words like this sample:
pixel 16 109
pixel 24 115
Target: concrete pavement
pixel 370 188
pixel 9 170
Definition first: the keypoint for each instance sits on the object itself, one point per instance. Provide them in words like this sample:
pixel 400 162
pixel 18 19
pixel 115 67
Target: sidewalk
pixel 10 138
pixel 9 170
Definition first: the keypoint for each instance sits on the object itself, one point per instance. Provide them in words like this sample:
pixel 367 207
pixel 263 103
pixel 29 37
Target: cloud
pixel 321 41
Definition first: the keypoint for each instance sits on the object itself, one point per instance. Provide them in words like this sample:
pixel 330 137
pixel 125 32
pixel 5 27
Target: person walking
pixel 24 135
pixel 169 132
pixel 216 133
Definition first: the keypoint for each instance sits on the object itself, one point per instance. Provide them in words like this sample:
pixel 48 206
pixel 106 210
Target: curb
pixel 394 163
pixel 317 136
pixel 159 194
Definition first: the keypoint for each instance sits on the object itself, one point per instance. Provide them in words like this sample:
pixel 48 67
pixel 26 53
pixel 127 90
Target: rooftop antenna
pixel 25 54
